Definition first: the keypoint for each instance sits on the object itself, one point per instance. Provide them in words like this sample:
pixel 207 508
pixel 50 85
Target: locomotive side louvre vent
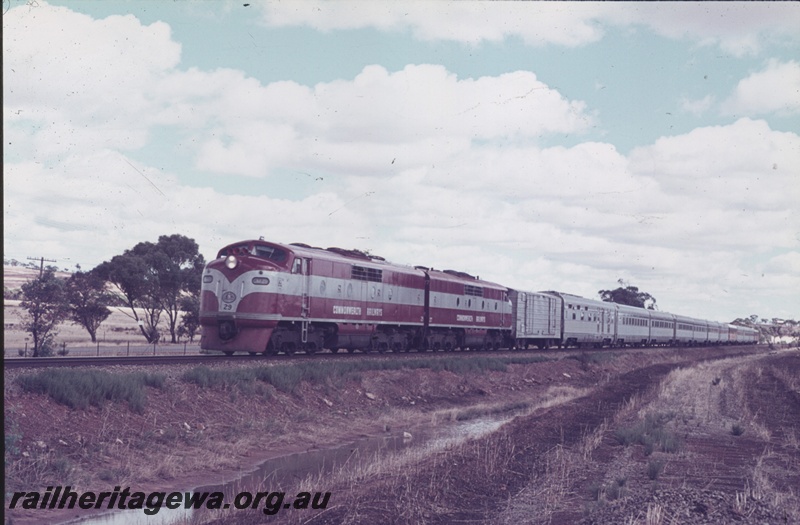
pixel 475 291
pixel 362 273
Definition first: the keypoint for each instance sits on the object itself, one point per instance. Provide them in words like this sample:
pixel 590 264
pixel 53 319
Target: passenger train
pixel 265 297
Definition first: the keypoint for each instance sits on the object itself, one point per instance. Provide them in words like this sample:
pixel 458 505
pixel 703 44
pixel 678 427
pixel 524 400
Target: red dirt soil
pixel 189 436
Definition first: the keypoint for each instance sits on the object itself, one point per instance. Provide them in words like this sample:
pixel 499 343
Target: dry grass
pixel 706 399
pixel 400 473
pixel 655 515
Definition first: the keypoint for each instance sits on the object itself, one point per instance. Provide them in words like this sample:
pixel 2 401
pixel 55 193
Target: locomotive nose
pixel 227 330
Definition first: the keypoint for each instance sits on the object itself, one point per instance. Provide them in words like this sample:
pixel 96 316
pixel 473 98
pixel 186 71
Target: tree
pixel 774 331
pixel 179 267
pixel 630 295
pixel 190 322
pixel 44 302
pixel 130 273
pixel 87 301
pixel 154 277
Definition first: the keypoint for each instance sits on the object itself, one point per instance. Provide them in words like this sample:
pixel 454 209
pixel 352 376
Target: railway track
pixel 56 362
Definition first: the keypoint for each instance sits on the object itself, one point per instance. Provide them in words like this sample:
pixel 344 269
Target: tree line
pixel 152 279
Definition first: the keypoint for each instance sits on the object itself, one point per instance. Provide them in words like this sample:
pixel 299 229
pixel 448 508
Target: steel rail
pixel 55 362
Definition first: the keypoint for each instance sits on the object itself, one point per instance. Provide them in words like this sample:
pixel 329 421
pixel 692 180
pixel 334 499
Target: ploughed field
pixel 698 435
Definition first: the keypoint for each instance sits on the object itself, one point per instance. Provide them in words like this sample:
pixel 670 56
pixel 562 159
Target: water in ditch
pixel 279 474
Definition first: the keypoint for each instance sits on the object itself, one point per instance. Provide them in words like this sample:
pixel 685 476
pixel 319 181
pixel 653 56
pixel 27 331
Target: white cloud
pixel 696 107
pixel 420 114
pixel 745 165
pixel 80 82
pixel 470 22
pixel 776 89
pixel 739 28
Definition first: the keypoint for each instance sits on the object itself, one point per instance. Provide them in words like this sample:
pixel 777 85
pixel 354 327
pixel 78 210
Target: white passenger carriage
pixel 690 331
pixel 715 331
pixel 633 325
pixel 662 328
pixel 586 322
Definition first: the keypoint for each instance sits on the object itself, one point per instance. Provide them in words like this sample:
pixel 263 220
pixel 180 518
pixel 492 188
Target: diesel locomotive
pixel 265 297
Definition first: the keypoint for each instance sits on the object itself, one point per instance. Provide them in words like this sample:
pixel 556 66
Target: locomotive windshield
pixel 270 253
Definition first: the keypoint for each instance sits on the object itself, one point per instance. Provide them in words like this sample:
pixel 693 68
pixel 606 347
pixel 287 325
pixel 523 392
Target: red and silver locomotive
pixel 259 296
pixel 263 297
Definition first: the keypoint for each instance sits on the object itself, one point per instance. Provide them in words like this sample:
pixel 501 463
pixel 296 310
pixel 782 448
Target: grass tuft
pixel 286 378
pixel 650 433
pixel 654 468
pixel 82 388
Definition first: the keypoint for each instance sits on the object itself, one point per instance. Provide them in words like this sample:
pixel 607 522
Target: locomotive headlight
pixel 231 262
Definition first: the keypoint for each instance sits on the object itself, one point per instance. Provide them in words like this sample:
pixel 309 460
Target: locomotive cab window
pixel 268 252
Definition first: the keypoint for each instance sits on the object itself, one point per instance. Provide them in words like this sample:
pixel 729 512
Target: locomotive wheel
pixel 334 350
pixel 228 352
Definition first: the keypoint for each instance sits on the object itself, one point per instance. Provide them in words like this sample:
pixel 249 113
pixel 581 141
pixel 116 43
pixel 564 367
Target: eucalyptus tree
pixel 153 277
pixel 629 295
pixel 87 301
pixel 43 300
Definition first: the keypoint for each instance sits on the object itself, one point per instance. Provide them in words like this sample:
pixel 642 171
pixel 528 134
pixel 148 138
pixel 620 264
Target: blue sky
pixel 540 145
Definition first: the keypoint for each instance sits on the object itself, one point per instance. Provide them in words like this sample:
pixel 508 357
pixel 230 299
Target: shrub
pixel 82 388
pixel 286 378
pixel 650 433
pixel 654 468
pixel 737 429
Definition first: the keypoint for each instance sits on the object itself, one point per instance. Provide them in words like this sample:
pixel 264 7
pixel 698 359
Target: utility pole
pixel 41 263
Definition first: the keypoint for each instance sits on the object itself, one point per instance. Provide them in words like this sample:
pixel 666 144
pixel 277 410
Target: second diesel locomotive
pixel 264 297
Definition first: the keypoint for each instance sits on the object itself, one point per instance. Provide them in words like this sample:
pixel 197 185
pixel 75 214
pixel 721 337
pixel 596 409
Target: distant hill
pixel 15 276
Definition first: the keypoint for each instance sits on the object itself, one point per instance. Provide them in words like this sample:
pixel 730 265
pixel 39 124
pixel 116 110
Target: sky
pixel 542 146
